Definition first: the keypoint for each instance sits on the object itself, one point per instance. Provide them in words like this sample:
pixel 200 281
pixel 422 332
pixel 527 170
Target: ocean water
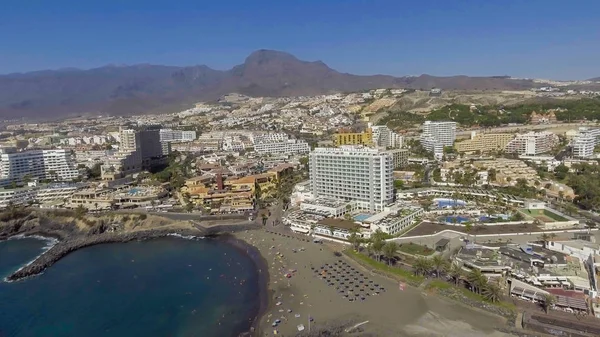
pixel 164 287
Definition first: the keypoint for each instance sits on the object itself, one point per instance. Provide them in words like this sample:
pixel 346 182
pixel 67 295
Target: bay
pixel 163 287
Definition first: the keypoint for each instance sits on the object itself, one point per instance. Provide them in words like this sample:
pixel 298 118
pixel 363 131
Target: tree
pixel 548 302
pixel 264 219
pixel 455 272
pixel 590 225
pixel 422 266
pixel 477 280
pixel 189 207
pixel 354 239
pixel 80 211
pixel 439 264
pixel 377 245
pixel 26 179
pixel 468 229
pixel 544 238
pixel 389 250
pixel 492 292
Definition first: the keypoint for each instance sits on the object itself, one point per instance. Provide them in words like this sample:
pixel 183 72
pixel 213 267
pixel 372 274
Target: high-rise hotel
pixel 361 174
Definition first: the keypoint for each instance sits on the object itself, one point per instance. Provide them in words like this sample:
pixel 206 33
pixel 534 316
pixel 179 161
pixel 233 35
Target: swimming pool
pixel 362 217
pixel 456 219
pixel 446 203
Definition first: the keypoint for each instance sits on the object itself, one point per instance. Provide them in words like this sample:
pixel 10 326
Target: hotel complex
pixel 360 174
pixel 57 164
pixel 437 135
pixel 484 142
pixel 532 143
pixel 585 142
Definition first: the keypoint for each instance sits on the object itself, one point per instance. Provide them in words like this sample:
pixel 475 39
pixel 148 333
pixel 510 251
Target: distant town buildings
pixel 353 173
pixel 540 118
pixel 287 146
pixel 170 135
pixel 532 143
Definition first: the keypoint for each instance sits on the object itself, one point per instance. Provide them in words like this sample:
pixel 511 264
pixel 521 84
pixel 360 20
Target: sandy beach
pixel 392 312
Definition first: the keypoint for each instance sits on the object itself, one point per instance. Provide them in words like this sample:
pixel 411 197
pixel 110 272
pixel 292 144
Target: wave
pixel 50 242
pixel 186 237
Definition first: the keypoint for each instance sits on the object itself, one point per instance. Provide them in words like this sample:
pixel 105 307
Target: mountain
pixel 127 90
pixel 595 79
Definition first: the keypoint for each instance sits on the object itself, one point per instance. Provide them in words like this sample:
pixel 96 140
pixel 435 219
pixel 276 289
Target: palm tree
pixel 492 292
pixel 590 225
pixel 354 239
pixel 468 229
pixel 331 229
pixel 477 280
pixel 389 250
pixel 422 266
pixel 377 245
pixel 544 238
pixel 264 219
pixel 439 264
pixel 455 272
pixel 549 300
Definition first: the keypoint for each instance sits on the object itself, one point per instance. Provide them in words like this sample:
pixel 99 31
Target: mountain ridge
pixel 147 88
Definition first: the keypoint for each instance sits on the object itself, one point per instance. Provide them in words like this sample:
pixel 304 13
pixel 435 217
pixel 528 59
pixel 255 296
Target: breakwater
pixel 70 244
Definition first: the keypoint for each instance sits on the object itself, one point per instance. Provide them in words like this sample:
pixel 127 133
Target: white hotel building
pixel 532 143
pixel 436 135
pixel 169 135
pixel 585 142
pixel 288 146
pixel 55 164
pixel 355 173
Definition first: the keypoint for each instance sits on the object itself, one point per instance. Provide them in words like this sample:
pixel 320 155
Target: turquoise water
pixel 362 217
pixel 456 219
pixel 165 287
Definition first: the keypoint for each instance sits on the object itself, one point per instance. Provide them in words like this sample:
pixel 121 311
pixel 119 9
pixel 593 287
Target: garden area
pixel 543 215
pixel 415 249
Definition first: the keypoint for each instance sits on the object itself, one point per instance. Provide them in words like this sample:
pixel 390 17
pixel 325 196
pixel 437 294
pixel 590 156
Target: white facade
pixel 585 142
pixel 353 173
pixel 288 146
pixel 436 135
pixel 532 143
pixel 169 135
pixel 55 164
pixel 384 137
pixel 17 196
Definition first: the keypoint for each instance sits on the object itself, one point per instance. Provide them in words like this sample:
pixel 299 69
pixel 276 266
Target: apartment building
pixel 532 143
pixel 288 146
pixel 353 138
pixel 170 135
pixel 484 142
pixel 585 141
pixel 399 157
pixel 353 173
pixel 384 137
pixel 57 164
pixel 16 197
pixel 437 135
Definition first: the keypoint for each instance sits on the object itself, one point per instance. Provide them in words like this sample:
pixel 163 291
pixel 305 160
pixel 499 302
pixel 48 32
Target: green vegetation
pixel 394 272
pixel 401 120
pixel 492 115
pixel 544 213
pixel 415 249
pixel 585 182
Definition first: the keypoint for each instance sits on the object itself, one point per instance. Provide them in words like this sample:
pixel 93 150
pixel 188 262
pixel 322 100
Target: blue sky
pixel 526 38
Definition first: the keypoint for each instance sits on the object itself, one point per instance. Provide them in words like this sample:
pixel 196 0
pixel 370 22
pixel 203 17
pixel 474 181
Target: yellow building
pixel 484 142
pixel 349 138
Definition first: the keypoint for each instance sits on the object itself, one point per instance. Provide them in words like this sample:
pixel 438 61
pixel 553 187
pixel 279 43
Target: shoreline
pixel 262 267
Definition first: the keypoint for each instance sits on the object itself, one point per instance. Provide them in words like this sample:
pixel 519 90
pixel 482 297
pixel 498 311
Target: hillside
pixel 127 90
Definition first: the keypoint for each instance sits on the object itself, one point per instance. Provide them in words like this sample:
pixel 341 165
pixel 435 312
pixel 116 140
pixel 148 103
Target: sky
pixel 554 39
